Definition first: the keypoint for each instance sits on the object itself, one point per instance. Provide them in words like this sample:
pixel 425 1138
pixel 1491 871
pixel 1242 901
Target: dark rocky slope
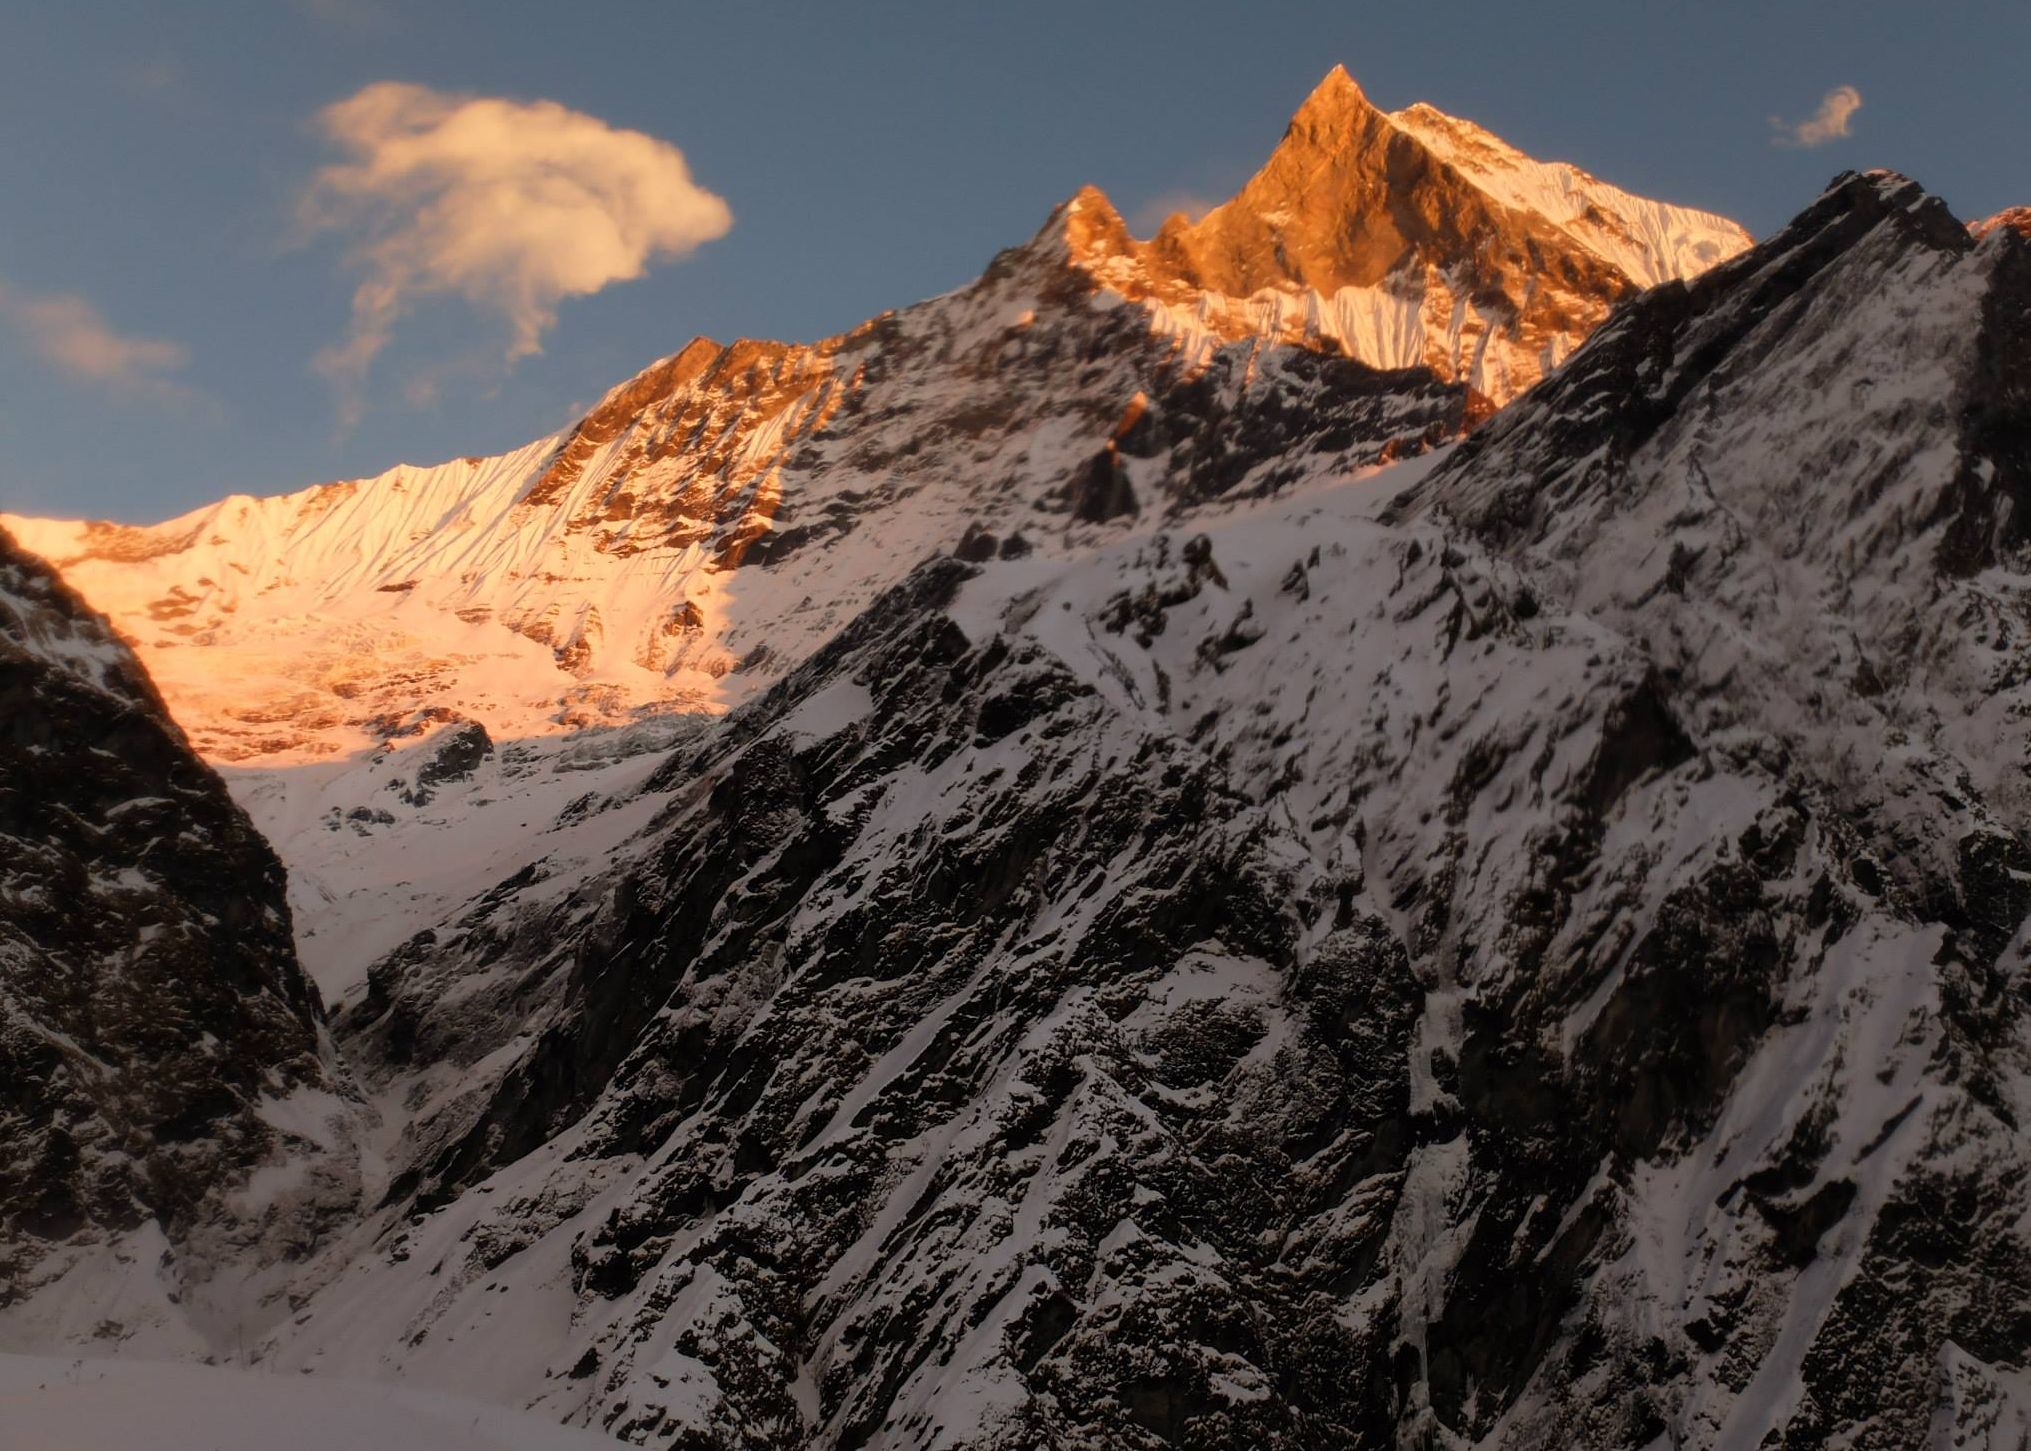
pixel 157 1040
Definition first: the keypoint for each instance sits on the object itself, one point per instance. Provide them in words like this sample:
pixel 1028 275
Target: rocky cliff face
pixel 1814 476
pixel 1526 947
pixel 163 1087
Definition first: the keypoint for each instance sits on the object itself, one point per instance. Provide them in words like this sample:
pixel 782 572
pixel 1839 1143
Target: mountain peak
pixel 1353 196
pixel 1090 227
pixel 1405 239
pixel 1336 97
pixel 1864 198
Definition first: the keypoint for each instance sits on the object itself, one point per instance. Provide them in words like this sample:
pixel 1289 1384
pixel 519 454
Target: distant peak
pixel 1089 198
pixel 1353 197
pixel 1089 226
pixel 1338 95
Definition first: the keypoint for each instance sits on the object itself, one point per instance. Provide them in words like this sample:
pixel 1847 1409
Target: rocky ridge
pixel 715 518
pixel 1409 239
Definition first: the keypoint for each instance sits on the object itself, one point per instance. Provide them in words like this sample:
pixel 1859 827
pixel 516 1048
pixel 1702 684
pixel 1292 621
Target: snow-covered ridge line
pixel 627 565
pixel 1348 239
pixel 1651 241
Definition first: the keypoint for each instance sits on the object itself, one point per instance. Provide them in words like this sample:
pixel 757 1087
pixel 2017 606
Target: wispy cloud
pixel 68 333
pixel 1152 214
pixel 512 206
pixel 1829 123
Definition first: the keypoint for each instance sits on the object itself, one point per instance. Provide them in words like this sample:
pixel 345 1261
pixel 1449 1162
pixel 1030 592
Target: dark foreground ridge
pixel 150 1000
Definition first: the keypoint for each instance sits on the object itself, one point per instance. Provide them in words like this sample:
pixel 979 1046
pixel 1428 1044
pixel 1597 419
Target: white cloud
pixel 513 206
pixel 1829 123
pixel 66 331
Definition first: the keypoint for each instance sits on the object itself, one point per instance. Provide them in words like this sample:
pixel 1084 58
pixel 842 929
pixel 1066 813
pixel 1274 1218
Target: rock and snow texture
pixel 717 517
pixel 1526 948
pixel 1412 239
pixel 166 1103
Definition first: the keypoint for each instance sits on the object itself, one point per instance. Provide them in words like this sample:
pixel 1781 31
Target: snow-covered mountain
pixel 1299 925
pixel 1515 948
pixel 718 516
pixel 1411 239
pixel 1519 949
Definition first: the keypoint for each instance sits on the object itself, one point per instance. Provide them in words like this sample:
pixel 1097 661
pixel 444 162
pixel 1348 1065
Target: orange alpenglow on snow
pixel 655 557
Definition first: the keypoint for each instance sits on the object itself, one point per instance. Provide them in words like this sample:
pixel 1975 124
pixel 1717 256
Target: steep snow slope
pixel 1519 950
pixel 1649 241
pixel 398 841
pixel 167 1104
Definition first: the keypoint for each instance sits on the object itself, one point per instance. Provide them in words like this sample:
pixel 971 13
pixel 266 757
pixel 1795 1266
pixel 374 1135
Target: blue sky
pixel 154 159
